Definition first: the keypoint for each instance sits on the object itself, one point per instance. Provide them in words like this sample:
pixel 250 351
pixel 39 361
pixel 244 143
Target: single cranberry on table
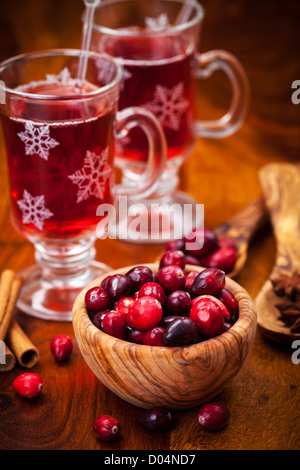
pixel 201 242
pixel 28 385
pixel 156 419
pixel 210 281
pixel 178 302
pixel 173 257
pixel 96 299
pixel 213 416
pixel 139 276
pixel 61 347
pixel 114 324
pixel 154 337
pixel 145 314
pixel 223 258
pixel 171 278
pixel 152 289
pixel 107 428
pixel 208 317
pixel 119 286
pixel 181 331
pixel 124 305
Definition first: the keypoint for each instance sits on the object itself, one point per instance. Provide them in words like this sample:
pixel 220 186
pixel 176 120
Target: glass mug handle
pixel 209 62
pixel 145 184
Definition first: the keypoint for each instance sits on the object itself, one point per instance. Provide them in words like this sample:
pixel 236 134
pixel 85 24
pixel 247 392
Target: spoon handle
pixel 243 225
pixel 281 189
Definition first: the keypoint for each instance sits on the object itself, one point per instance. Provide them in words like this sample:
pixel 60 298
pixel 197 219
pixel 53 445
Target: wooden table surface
pixel 264 397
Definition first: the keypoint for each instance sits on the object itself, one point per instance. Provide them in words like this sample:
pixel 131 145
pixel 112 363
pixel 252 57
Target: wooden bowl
pixel 174 377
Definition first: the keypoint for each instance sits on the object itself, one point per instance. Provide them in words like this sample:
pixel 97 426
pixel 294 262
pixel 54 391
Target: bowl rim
pixel 246 321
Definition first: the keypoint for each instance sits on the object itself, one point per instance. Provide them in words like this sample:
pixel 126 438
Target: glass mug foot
pixel 48 301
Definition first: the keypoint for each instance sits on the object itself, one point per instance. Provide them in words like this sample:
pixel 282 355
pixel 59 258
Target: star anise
pixel 295 328
pixel 287 285
pixel 290 315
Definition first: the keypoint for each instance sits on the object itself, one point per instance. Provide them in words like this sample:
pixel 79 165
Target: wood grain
pixel 264 397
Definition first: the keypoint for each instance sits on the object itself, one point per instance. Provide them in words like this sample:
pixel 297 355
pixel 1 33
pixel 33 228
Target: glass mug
pixel 59 136
pixel 156 44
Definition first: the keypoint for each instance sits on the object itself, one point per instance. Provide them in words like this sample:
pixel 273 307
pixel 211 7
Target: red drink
pixel 60 162
pixel 157 76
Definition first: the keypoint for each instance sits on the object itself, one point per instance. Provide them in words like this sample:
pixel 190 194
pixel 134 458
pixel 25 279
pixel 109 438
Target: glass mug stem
pixel 228 124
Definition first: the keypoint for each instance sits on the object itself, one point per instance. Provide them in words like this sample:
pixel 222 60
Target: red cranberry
pixel 176 258
pixel 104 282
pixel 96 299
pixel 106 428
pixel 171 278
pixel 223 258
pixel 210 281
pixel 145 314
pixel 204 240
pixel 213 416
pixel 118 286
pixel 220 304
pixel 153 289
pixel 226 242
pixel 98 318
pixel 154 337
pixel 229 301
pixel 165 321
pixel 189 259
pixel 114 324
pixel 139 276
pixel 61 347
pixel 190 277
pixel 178 302
pixel 227 326
pixel 157 419
pixel 208 317
pixel 180 332
pixel 134 336
pixel 177 244
pixel 28 385
pixel 124 305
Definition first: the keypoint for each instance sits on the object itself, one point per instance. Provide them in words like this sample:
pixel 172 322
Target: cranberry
pixel 190 277
pixel 165 321
pixel 178 302
pixel 176 258
pixel 180 332
pixel 118 286
pixel 154 337
pixel 134 336
pixel 114 324
pixel 96 299
pixel 220 304
pixel 104 282
pixel 106 428
pixel 28 385
pixel 145 314
pixel 157 419
pixel 208 317
pixel 226 242
pixel 227 326
pixel 152 289
pixel 61 347
pixel 98 318
pixel 177 244
pixel 223 258
pixel 210 281
pixel 205 241
pixel 139 276
pixel 171 278
pixel 213 416
pixel 229 301
pixel 124 305
pixel 189 259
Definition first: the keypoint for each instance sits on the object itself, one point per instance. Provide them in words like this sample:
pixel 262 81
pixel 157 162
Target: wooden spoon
pixel 281 188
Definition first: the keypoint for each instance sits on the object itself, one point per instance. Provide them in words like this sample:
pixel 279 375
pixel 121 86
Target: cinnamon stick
pixel 9 291
pixel 9 358
pixel 23 348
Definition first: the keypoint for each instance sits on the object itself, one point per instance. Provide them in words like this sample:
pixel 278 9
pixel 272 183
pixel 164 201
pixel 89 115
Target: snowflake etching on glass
pixel 157 24
pixel 37 140
pixel 168 105
pixel 33 210
pixel 91 179
pixel 63 77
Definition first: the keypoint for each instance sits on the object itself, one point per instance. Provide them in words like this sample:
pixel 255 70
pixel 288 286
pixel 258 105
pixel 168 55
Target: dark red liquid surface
pixel 60 166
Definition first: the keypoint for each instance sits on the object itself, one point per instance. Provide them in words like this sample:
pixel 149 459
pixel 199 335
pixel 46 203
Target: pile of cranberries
pixel 171 308
pixel 202 247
